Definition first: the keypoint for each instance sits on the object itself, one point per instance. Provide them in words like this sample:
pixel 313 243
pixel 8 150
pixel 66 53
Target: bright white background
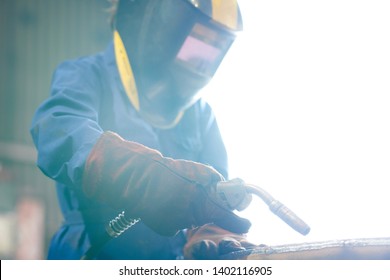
pixel 303 103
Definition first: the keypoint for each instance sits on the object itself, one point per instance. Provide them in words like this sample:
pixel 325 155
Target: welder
pixel 127 130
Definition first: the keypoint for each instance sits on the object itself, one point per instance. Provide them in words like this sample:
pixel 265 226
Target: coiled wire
pixel 119 225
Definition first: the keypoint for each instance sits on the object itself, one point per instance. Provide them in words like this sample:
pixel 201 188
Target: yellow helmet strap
pixel 125 71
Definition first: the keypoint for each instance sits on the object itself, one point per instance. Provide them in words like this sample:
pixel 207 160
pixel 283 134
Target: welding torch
pixel 236 194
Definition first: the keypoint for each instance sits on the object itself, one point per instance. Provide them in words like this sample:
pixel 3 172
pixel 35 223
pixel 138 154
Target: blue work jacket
pixel 87 98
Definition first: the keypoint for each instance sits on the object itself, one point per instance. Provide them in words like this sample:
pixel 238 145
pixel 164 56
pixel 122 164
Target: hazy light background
pixel 303 103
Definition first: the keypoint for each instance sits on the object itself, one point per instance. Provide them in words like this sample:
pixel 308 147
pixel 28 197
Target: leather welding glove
pixel 167 194
pixel 210 242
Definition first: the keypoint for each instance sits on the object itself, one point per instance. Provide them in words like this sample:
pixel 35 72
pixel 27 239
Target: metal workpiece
pixel 343 249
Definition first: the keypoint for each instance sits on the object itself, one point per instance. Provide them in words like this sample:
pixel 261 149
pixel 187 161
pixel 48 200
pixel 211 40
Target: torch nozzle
pixel 279 209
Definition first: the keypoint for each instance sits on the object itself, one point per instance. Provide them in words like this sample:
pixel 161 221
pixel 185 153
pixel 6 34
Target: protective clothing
pixel 210 242
pixel 167 194
pixel 88 98
pixel 171 49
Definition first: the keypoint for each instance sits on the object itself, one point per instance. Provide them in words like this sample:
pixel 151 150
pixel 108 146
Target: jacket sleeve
pixel 214 151
pixel 65 127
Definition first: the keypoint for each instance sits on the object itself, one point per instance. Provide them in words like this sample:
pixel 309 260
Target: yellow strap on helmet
pixel 225 12
pixel 125 71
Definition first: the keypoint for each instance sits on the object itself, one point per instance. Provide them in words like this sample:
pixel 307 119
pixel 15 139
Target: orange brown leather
pixel 167 194
pixel 210 242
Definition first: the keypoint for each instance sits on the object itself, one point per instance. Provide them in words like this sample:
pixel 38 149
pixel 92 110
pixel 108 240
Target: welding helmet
pixel 167 50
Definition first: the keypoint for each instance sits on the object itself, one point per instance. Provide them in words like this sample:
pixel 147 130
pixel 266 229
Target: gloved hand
pixel 167 194
pixel 209 242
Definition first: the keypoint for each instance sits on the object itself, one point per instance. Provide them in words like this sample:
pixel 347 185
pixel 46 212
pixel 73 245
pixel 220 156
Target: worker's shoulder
pixel 87 71
pixel 82 63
